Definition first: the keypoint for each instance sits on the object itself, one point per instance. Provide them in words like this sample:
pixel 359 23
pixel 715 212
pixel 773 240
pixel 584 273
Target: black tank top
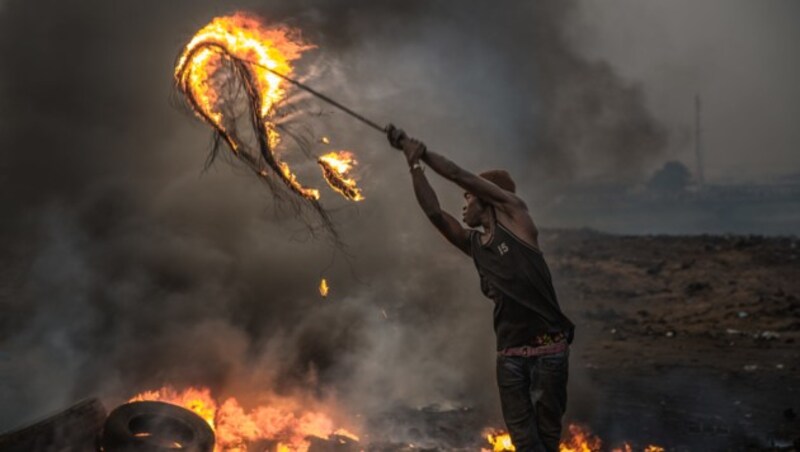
pixel 515 276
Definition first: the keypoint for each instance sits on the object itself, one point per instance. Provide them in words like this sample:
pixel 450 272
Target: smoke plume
pixel 125 267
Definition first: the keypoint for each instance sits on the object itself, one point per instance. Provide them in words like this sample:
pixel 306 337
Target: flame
pixel 325 140
pixel 500 441
pixel 323 287
pixel 335 168
pixel 195 399
pixel 282 420
pixel 580 440
pixel 252 50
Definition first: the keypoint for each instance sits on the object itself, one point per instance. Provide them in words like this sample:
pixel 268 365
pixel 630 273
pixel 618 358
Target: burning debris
pixel 281 424
pixel 335 168
pixel 500 441
pixel 579 440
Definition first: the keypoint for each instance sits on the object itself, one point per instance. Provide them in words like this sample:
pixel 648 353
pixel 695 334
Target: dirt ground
pixel 689 342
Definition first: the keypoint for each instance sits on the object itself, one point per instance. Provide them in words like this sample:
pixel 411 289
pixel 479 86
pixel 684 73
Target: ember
pixel 282 421
pixel 323 287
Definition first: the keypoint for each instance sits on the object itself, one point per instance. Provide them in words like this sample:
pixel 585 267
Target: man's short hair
pixel 501 178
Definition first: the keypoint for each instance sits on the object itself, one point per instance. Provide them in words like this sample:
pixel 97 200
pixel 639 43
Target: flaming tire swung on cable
pixel 243 46
pixel 236 63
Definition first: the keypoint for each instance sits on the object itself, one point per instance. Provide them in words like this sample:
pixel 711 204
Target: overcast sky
pixel 742 58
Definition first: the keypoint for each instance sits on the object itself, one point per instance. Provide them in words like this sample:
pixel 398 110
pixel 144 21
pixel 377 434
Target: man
pixel 532 332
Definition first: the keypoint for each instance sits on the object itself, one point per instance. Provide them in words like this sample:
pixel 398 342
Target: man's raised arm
pixel 470 182
pixel 427 199
pixel 446 168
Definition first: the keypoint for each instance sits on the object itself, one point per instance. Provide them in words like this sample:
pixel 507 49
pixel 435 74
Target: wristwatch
pixel 416 165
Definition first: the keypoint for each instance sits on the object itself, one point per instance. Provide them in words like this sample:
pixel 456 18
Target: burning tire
pixel 156 427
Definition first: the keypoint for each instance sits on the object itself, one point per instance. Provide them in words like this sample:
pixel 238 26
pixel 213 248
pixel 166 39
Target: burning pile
pixel 235 68
pixel 282 424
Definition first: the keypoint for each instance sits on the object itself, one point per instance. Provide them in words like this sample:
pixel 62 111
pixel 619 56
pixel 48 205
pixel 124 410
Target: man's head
pixel 474 208
pixel 501 178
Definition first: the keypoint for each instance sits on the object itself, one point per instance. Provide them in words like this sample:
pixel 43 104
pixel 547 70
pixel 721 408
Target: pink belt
pixel 535 350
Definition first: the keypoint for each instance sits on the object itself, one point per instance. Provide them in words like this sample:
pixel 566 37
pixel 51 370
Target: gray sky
pixel 741 56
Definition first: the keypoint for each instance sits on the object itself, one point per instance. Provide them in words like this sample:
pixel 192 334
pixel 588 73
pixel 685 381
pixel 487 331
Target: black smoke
pixel 126 267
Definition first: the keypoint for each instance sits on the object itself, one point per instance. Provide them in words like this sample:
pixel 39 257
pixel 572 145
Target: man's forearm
pixel 426 197
pixel 442 165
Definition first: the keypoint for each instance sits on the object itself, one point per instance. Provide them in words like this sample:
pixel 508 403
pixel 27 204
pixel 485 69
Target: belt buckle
pixel 526 351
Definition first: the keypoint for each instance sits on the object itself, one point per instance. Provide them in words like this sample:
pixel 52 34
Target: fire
pixel 241 46
pixel 335 168
pixel 197 400
pixel 325 140
pixel 500 441
pixel 323 287
pixel 282 420
pixel 579 440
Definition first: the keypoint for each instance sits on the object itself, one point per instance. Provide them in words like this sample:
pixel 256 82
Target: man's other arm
pixel 444 222
pixel 470 182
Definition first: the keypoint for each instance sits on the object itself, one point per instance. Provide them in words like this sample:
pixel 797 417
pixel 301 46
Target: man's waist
pixel 541 344
pixel 535 350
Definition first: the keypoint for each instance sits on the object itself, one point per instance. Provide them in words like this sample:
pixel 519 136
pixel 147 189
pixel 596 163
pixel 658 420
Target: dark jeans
pixel 533 395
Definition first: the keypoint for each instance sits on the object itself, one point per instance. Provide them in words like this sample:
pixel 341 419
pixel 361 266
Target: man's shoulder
pixel 523 228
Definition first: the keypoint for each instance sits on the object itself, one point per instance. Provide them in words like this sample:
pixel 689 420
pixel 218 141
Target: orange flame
pixel 500 441
pixel 282 420
pixel 255 49
pixel 579 440
pixel 335 169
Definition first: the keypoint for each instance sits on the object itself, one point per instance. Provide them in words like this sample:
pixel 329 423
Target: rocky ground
pixel 690 342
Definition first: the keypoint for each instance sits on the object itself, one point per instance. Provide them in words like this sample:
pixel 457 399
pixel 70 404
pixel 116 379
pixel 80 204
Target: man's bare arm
pixel 470 182
pixel 444 222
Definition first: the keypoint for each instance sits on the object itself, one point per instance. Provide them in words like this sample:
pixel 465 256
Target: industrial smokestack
pixel 698 148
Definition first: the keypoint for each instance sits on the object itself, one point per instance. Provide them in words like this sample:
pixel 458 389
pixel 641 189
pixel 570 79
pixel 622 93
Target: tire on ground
pixel 156 427
pixel 76 429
